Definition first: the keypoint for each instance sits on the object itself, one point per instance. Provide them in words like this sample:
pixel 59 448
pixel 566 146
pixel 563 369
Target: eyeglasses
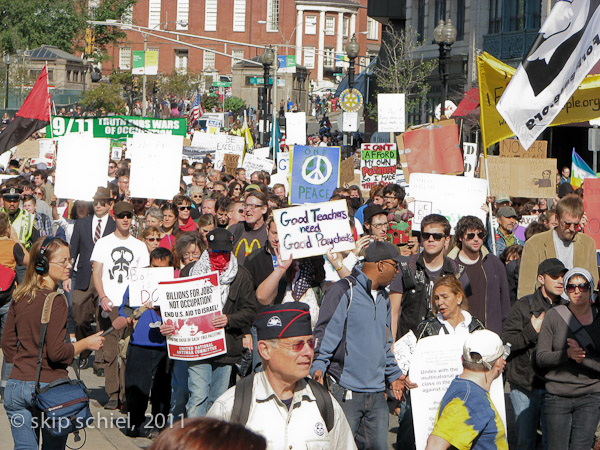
pixel 379 226
pixel 126 215
pixel 583 287
pixel 183 208
pixel 251 206
pixel 153 239
pixel 188 255
pixel 471 236
pixel 64 264
pixel 570 224
pixel 390 197
pixel 395 266
pixel 435 236
pixel 298 345
pixel 101 202
pixel 535 211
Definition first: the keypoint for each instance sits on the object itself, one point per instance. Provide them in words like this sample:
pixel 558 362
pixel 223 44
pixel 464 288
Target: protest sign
pixel 350 122
pixel 195 154
pixel 74 152
pixel 512 148
pixel 28 149
pixel 253 163
pixel 528 220
pixel 315 173
pixel 310 230
pixel 3 177
pixel 115 127
pixel 262 152
pixel 213 125
pixel 390 113
pixel 591 205
pixel 283 162
pixel 347 171
pixel 46 151
pixel 230 162
pixel 521 177
pixel 448 195
pixel 403 350
pixel 155 157
pixel 470 158
pixel 190 304
pixel 434 364
pixel 295 128
pixel 143 284
pixel 220 144
pixel 378 164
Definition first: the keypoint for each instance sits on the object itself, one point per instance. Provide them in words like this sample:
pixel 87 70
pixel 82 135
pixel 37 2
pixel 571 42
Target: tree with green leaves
pixel 105 97
pixel 234 104
pixel 179 84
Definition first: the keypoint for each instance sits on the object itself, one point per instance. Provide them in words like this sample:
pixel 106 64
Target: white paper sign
pixel 349 122
pixel 295 128
pixel 155 165
pixel 283 162
pixel 80 166
pixel 313 229
pixel 390 113
pixel 470 158
pixel 262 152
pixel 448 195
pixel 435 363
pixel 143 284
pixel 404 349
pixel 252 163
pixel 220 144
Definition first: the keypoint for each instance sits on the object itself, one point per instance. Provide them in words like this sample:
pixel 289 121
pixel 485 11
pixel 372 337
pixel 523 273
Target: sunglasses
pixel 153 239
pixel 183 208
pixel 535 211
pixel 471 236
pixel 298 345
pixel 583 287
pixel 101 202
pixel 124 216
pixel 435 236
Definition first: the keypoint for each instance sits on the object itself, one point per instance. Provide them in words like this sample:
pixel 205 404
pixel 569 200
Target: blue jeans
pixel 206 383
pixel 368 416
pixel 24 419
pixel 528 407
pixel 179 389
pixel 405 439
pixel 572 421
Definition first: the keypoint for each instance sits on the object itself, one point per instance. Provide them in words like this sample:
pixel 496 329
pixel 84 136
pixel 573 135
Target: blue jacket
pixel 353 338
pixel 143 335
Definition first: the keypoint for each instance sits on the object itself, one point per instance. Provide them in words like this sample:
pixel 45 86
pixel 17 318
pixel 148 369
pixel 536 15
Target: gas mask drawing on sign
pixel 121 257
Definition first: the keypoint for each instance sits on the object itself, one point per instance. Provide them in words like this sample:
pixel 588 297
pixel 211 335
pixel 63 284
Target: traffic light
pixel 89 41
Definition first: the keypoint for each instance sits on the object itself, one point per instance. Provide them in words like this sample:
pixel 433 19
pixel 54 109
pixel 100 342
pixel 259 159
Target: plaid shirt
pixel 43 224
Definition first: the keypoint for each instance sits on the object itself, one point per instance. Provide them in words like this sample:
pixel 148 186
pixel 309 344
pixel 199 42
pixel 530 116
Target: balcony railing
pixel 509 45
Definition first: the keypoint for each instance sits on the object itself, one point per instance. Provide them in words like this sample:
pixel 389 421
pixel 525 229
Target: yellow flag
pixel 494 76
pixel 247 134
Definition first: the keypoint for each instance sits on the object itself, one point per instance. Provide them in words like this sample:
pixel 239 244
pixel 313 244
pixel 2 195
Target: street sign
pixel 351 100
pixel 221 83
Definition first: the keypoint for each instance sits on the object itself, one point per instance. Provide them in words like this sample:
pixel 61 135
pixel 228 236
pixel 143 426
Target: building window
pixel 208 63
pixel 183 14
pixel 421 20
pixel 440 11
pixel 460 20
pixel 309 57
pixel 181 61
pixel 330 25
pixel 346 26
pixel 372 29
pixel 125 58
pixel 310 25
pixel 517 15
pixel 328 57
pixel 154 13
pixel 210 15
pixel 495 23
pixel 236 54
pixel 272 15
pixel 239 15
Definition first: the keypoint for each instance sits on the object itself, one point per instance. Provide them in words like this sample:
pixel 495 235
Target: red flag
pixel 33 115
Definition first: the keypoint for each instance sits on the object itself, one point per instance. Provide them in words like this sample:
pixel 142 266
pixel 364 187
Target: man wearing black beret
pixel 284 406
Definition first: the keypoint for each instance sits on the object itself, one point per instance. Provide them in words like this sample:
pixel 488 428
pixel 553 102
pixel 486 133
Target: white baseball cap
pixel 487 344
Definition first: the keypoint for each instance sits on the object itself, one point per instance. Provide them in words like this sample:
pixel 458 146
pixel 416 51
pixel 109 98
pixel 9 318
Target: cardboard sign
pixel 434 364
pixel 521 177
pixel 347 171
pixel 512 148
pixel 190 304
pixel 143 284
pixel 28 149
pixel 73 182
pixel 378 164
pixel 230 162
pixel 220 144
pixel 311 230
pixel 295 128
pixel 448 195
pixel 591 205
pixel 315 173
pixel 390 113
pixel 470 158
pixel 253 163
pixel 155 157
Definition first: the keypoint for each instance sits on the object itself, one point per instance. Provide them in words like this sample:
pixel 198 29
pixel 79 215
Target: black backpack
pixel 243 397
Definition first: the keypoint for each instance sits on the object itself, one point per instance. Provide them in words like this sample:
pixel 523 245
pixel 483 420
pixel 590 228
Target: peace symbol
pixel 316 170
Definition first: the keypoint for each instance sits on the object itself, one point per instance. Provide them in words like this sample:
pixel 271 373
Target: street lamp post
pixel 7 62
pixel 444 35
pixel 266 59
pixel 352 49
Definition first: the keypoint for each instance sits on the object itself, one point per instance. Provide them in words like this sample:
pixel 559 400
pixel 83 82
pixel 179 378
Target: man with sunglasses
pixel 251 235
pixel 489 299
pixel 521 330
pixel 565 242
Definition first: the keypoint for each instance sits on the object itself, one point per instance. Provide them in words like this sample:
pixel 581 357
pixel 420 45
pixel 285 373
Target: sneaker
pixel 112 404
pixel 99 372
pixel 83 363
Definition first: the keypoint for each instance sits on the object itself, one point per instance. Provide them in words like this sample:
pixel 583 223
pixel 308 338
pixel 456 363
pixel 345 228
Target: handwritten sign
pixel 230 162
pixel 143 284
pixel 512 148
pixel 470 158
pixel 313 229
pixel 283 162
pixel 315 173
pixel 378 164
pixel 190 304
pixel 591 204
pixel 390 113
pixel 253 163
pixel 295 128
pixel 347 171
pixel 220 144
pixel 521 177
pixel 448 195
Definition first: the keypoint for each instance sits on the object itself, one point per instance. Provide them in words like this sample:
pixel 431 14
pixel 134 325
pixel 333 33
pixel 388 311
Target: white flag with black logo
pixel 566 49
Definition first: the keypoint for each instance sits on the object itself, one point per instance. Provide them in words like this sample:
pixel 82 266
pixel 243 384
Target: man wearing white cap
pixel 467 417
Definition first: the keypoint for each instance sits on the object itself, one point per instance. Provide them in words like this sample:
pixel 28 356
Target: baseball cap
pixel 372 210
pixel 551 266
pixel 502 198
pixel 252 187
pixel 220 239
pixel 283 321
pixel 486 344
pixel 123 207
pixel 380 251
pixel 506 211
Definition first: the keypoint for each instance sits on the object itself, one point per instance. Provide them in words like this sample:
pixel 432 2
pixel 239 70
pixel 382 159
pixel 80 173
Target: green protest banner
pixel 138 61
pixel 116 127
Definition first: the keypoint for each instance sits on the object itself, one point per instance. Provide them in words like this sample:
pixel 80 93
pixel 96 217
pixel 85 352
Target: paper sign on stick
pixel 220 144
pixel 521 177
pixel 283 162
pixel 230 162
pixel 313 229
pixel 74 152
pixel 470 158
pixel 378 164
pixel 143 284
pixel 190 304
pixel 295 128
pixel 390 113
pixel 512 148
pixel 448 195
pixel 347 171
pixel 315 173
pixel 253 163
pixel 591 205
pixel 155 157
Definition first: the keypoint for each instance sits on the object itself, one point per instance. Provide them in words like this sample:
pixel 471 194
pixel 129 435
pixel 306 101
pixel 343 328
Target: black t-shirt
pixel 476 299
pixel 398 286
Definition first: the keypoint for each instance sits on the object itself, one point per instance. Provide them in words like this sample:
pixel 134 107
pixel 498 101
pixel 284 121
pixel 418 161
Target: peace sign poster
pixel 315 173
